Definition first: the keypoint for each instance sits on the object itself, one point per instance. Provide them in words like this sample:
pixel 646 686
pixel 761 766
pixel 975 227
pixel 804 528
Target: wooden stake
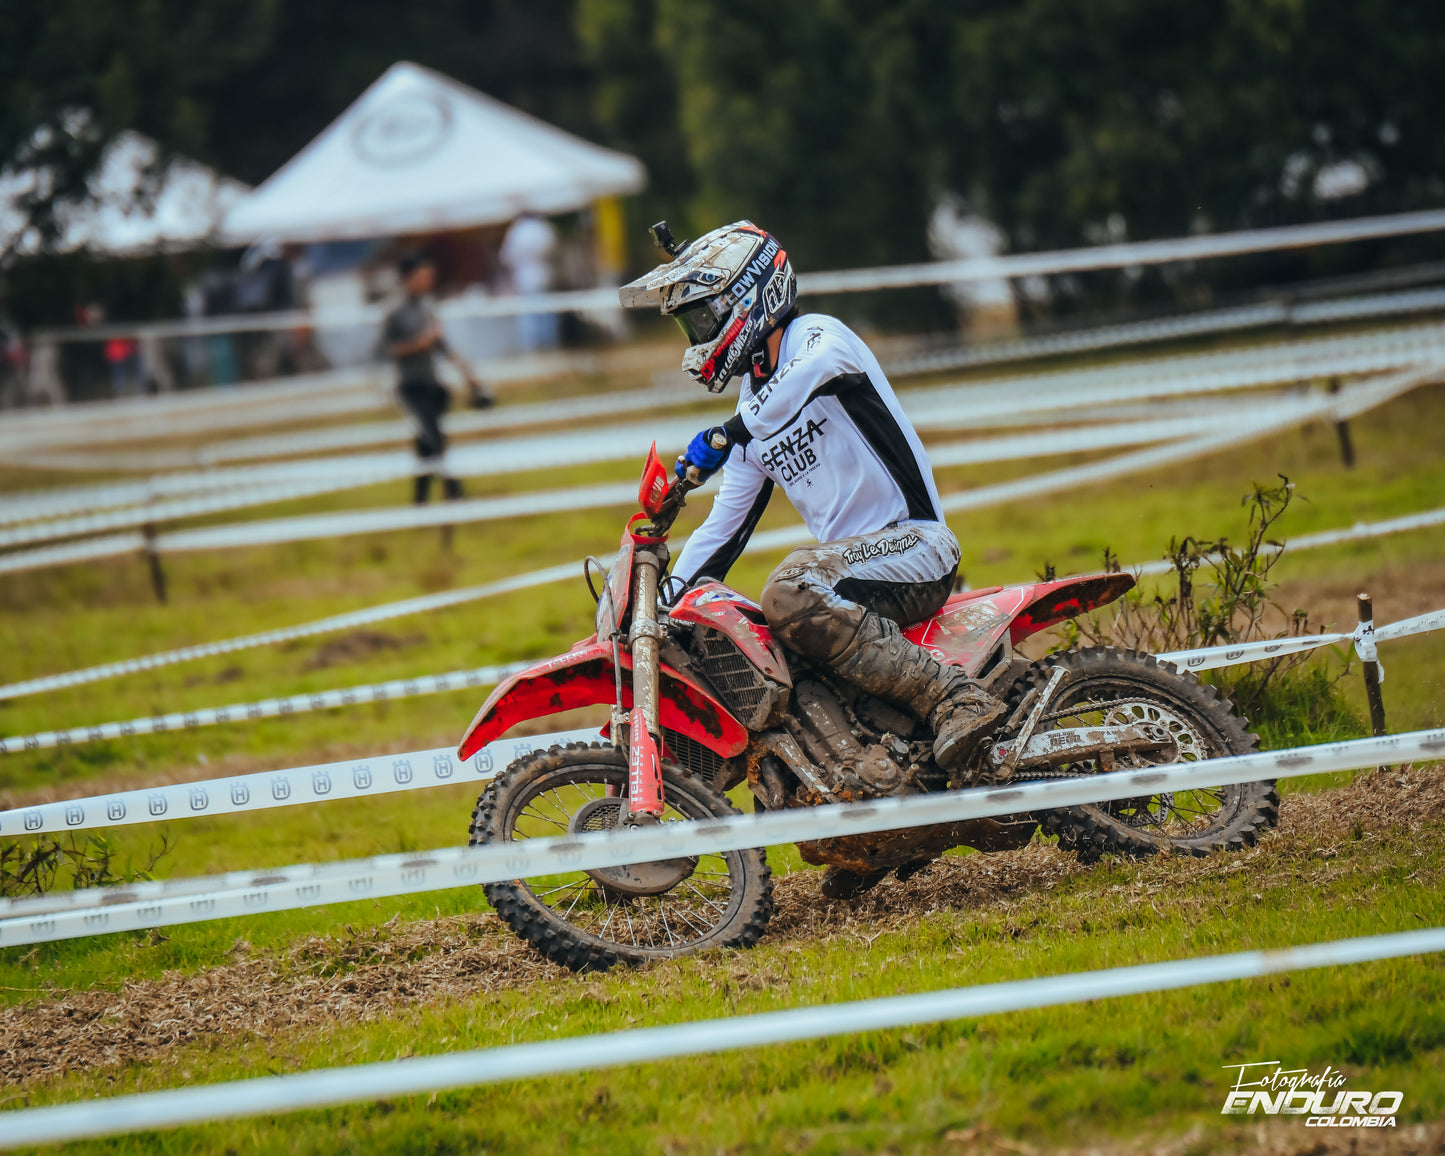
pixel 1372 670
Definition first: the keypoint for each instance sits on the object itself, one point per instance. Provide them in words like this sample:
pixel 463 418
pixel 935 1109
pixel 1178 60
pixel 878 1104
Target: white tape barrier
pixel 952 406
pixel 946 407
pixel 265 708
pixel 1122 255
pixel 1359 530
pixel 1363 639
pixel 310 527
pixel 836 281
pixel 419 1075
pixel 277 401
pixel 1173 328
pixel 117 909
pixel 337 394
pixel 782 538
pixel 69 500
pixel 266 790
pixel 354 618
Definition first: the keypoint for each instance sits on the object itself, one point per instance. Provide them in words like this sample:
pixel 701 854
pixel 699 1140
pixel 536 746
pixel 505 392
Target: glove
pixel 703 452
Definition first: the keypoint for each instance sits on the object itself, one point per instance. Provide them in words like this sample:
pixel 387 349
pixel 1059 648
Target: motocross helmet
pixel 728 290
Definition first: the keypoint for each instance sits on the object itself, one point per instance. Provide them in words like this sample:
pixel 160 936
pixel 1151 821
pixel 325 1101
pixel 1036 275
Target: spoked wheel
pixel 591 920
pixel 1108 687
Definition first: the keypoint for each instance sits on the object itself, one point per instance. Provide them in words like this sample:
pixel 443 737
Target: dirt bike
pixel 704 699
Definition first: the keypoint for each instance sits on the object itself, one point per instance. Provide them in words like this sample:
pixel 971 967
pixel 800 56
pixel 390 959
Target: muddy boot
pixel 884 663
pixel 841 883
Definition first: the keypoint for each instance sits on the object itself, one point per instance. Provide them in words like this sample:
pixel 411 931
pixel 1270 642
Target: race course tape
pixel 265 708
pixel 312 527
pixel 263 790
pixel 1203 658
pixel 1364 637
pixel 946 406
pixel 782 538
pixel 353 618
pixel 387 1080
pixel 140 906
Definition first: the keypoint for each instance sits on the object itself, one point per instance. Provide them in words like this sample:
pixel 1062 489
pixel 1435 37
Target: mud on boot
pixel 959 711
pixel 963 721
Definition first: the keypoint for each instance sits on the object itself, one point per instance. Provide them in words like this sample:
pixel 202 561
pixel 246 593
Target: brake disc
pixel 631 878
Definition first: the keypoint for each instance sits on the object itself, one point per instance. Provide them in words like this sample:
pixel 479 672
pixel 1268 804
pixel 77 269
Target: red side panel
pixel 1055 602
pixel 970 625
pixel 741 619
pixel 584 677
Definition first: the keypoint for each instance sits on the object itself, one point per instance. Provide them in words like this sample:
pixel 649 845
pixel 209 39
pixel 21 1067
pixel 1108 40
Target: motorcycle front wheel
pixel 593 920
pixel 1104 686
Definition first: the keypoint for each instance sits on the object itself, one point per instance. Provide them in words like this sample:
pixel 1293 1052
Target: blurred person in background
pixel 412 337
pixel 527 252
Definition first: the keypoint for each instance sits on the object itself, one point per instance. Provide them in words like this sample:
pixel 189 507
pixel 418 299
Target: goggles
pixel 701 321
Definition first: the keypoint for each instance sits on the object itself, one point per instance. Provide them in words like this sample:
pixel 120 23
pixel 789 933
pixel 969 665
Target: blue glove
pixel 702 453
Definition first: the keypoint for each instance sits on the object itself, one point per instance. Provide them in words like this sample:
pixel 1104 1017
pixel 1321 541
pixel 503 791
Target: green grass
pixel 1110 1068
pixel 1116 1068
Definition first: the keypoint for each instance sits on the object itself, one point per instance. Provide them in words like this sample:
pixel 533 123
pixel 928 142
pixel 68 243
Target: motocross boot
pixel 960 712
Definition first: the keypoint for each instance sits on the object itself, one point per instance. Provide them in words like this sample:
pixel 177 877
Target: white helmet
pixel 728 290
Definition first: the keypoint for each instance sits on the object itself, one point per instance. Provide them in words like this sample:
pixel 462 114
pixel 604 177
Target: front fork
pixel 644 764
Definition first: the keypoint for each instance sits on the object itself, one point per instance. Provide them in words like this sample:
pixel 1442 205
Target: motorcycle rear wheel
pixel 1104 685
pixel 583 920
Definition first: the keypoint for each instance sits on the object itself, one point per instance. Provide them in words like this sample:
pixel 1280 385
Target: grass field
pixel 436 972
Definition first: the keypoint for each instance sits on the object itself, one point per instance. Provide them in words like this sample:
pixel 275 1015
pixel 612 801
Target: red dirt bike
pixel 704 699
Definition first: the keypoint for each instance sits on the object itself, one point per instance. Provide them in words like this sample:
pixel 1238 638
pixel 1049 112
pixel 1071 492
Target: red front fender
pixel 584 677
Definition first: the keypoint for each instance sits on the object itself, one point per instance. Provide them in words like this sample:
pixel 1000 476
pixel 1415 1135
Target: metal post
pixel 1365 647
pixel 1342 430
pixel 158 575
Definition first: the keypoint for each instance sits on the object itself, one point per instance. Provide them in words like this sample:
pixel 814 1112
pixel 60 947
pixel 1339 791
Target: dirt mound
pixel 369 974
pixel 329 980
pixel 359 644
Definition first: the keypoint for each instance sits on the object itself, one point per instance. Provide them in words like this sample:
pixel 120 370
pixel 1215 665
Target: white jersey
pixel 828 429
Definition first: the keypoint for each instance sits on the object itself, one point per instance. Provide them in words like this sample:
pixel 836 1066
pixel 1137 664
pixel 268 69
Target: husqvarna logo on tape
pixel 157 804
pixel 361 777
pixel 115 810
pixel 33 821
pixel 482 760
pixel 401 771
pixel 74 815
pixel 199 799
pixel 441 766
pixel 321 782
pixel 240 794
pixel 280 788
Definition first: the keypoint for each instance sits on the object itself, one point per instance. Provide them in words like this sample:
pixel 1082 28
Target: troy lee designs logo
pixel 792 455
pixel 1264 1086
pixel 866 550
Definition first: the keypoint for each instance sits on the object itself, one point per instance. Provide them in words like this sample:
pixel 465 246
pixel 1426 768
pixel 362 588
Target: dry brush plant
pixel 36 868
pixel 1218 593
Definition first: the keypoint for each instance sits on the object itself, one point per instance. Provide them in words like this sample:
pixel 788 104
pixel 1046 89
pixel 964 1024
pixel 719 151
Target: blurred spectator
pixel 527 255
pixel 122 358
pixel 412 337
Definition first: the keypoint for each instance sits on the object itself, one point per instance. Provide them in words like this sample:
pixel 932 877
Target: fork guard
pixel 584 677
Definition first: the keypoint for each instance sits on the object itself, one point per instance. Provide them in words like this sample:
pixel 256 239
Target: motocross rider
pixel 816 417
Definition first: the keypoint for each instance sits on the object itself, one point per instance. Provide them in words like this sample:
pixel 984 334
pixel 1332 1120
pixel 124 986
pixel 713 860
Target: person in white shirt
pixel 817 418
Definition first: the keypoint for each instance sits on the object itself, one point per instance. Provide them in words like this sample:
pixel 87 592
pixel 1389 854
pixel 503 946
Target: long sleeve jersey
pixel 828 429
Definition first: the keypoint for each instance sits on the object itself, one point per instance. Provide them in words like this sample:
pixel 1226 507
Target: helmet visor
pixel 700 321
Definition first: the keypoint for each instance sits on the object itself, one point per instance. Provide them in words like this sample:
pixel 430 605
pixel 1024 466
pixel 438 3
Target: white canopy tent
pixel 418 152
pixel 127 211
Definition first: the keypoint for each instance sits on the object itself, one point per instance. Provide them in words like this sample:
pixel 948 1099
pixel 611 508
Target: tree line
pixel 837 123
